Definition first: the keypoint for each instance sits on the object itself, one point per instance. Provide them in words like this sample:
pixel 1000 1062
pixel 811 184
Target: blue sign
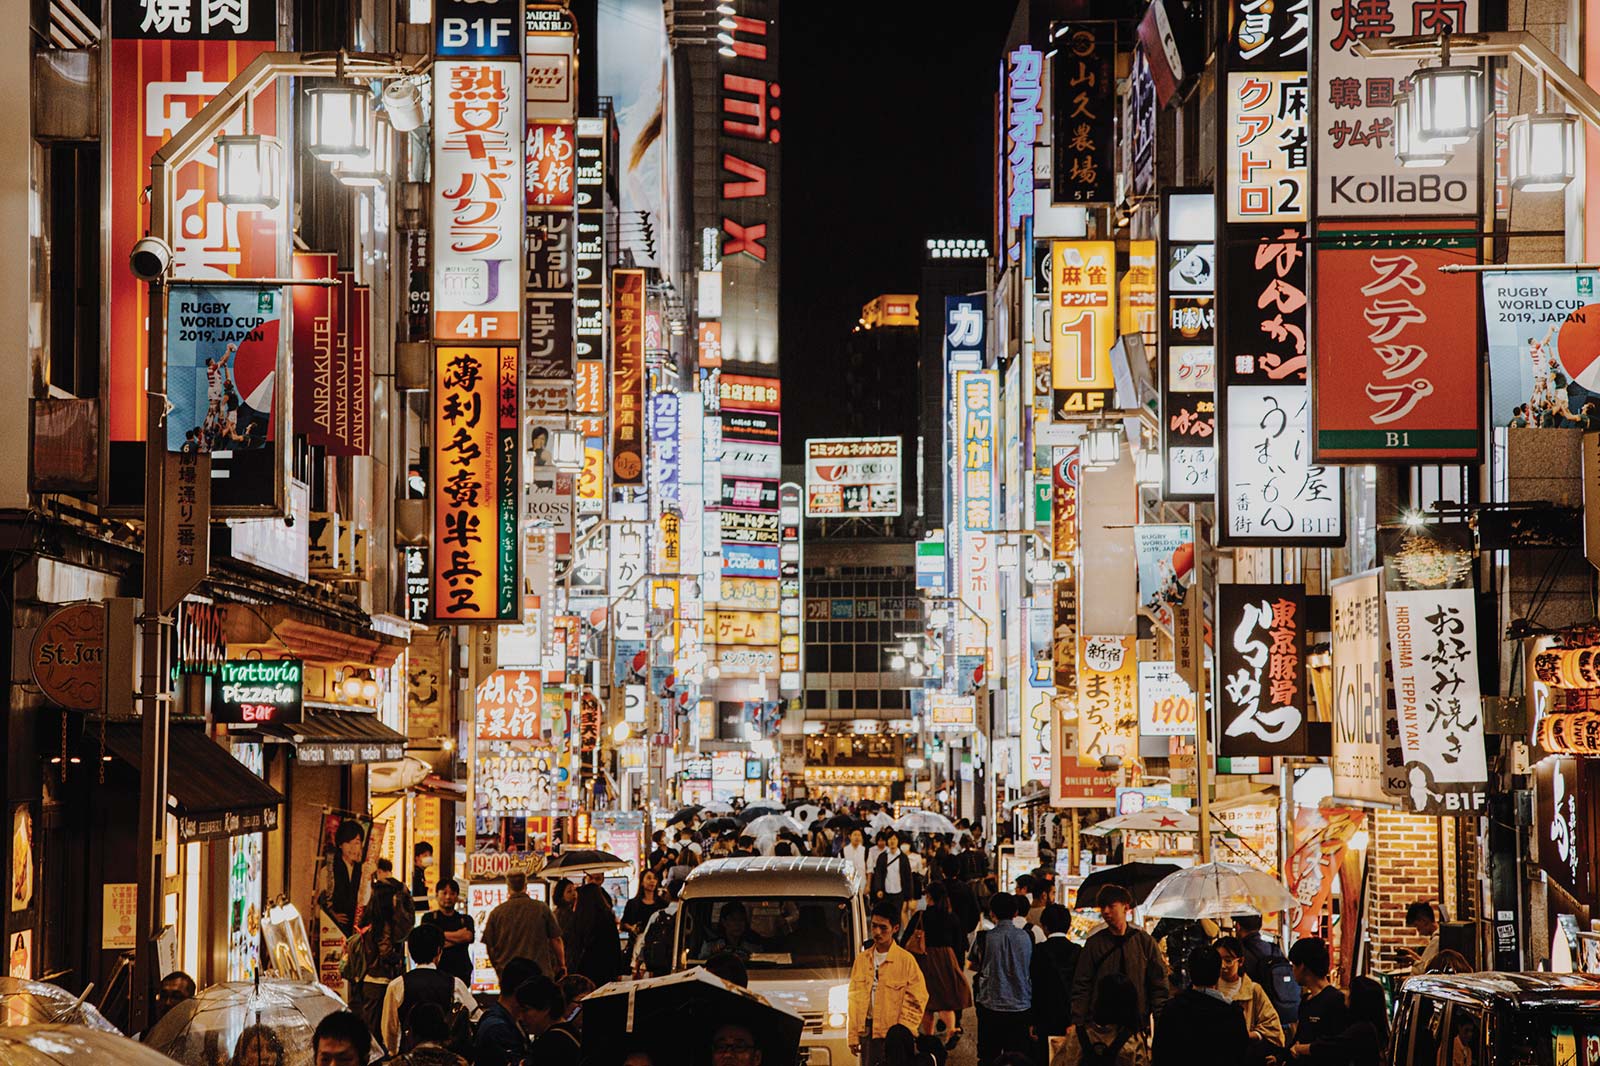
pixel 222 367
pixel 749 560
pixel 664 448
pixel 478 28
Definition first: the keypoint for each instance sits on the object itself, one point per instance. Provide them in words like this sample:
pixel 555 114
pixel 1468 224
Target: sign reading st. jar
pixel 258 692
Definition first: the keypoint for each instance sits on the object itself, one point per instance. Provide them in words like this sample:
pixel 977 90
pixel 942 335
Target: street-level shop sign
pixel 258 692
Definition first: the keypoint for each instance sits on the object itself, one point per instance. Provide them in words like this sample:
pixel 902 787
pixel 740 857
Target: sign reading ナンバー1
pixel 258 692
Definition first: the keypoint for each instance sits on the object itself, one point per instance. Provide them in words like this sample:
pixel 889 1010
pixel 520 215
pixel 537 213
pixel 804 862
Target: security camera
pixel 150 258
pixel 403 101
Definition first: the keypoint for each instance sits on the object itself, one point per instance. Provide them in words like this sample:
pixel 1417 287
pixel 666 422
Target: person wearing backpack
pixel 1201 1026
pixel 1119 948
pixel 1113 1035
pixel 1260 1017
pixel 1266 965
pixel 424 983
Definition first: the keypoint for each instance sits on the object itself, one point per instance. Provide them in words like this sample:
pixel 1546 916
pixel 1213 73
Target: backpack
pixel 1091 1055
pixel 1268 968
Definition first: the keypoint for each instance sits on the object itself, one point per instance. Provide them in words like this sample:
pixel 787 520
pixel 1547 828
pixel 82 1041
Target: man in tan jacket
pixel 886 988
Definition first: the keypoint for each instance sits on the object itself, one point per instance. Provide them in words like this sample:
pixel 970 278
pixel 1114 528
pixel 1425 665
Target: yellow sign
pixel 1138 291
pixel 889 310
pixel 1108 709
pixel 671 542
pixel 1083 326
pixel 750 593
pixel 742 627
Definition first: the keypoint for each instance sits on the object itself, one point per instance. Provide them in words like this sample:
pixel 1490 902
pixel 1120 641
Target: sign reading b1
pixel 478 28
pixel 258 691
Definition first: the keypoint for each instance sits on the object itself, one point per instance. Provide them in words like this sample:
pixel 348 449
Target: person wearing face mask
pixel 421 859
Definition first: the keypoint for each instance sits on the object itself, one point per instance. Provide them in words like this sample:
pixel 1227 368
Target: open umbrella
pixel 675 1018
pixel 70 1045
pixel 760 808
pixel 867 806
pixel 806 813
pixel 925 822
pixel 717 807
pixel 1137 877
pixel 207 1029
pixel 685 814
pixel 1217 890
pixel 843 823
pixel 1155 820
pixel 722 825
pixel 24 1002
pixel 772 824
pixel 582 861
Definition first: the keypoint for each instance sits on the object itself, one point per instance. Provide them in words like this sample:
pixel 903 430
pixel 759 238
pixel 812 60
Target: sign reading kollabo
pixel 258 691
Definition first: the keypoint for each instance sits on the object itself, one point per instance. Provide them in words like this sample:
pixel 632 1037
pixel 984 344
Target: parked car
pixel 1498 1019
pixel 796 922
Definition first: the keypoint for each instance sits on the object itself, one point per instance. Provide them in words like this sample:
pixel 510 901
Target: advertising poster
pixel 1187 358
pixel 1358 175
pixel 1108 702
pixel 508 706
pixel 1166 568
pixel 627 377
pixel 948 712
pixel 853 477
pixel 1543 329
pixel 1403 385
pixel 222 367
pixel 1262 648
pixel 1083 326
pixel 21 857
pixel 633 72
pixel 1064 483
pixel 1321 835
pixel 1359 688
pixel 1083 77
pixel 1166 702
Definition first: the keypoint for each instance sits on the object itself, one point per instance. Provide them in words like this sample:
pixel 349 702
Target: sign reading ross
pixel 258 692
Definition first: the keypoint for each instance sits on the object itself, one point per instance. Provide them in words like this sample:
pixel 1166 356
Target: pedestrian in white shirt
pixel 855 853
pixel 426 983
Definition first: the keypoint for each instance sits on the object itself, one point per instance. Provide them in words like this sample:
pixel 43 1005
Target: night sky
pixel 887 135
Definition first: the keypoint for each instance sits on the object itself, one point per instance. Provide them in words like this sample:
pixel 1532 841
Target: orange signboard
pixel 627 377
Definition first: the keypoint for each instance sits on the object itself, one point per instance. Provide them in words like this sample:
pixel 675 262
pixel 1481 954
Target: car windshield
pixel 787 933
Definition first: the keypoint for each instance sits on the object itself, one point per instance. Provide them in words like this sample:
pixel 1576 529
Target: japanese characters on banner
pixel 1064 484
pixel 1139 120
pixel 1023 117
pixel 222 367
pixel 964 341
pixel 1166 569
pixel 552 164
pixel 1266 111
pixel 475 475
pixel 1435 763
pixel 478 150
pixel 1321 835
pixel 1561 802
pixel 1357 173
pixel 589 246
pixel 627 377
pixel 791 647
pixel 1064 636
pixel 508 705
pixel 1544 363
pixel 551 96
pixel 1268 491
pixel 978 505
pixel 1083 326
pixel 1108 704
pixel 1166 703
pixel 1187 360
pixel 1261 635
pixel 1137 292
pixel 853 477
pixel 1358 687
pixel 1083 77
pixel 1402 385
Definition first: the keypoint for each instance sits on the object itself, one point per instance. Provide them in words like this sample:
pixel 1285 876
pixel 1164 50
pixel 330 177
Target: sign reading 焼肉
pixel 258 692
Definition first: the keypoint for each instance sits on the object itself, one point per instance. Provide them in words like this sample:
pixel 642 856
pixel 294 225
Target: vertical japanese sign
pixel 1561 803
pixel 1083 78
pixel 1064 483
pixel 1108 706
pixel 1436 762
pixel 478 161
pixel 1023 117
pixel 1265 100
pixel 1544 362
pixel 1404 384
pixel 552 165
pixel 1358 688
pixel 508 706
pixel 315 341
pixel 978 503
pixel 165 62
pixel 791 593
pixel 1136 292
pixel 551 98
pixel 589 249
pixel 1187 361
pixel 1166 702
pixel 1268 490
pixel 666 460
pixel 1083 326
pixel 222 367
pixel 627 377
pixel 1356 170
pixel 476 485
pixel 1262 687
pixel 1139 120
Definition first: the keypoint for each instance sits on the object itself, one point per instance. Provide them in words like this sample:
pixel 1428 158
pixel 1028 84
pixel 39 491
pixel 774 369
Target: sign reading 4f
pixel 478 28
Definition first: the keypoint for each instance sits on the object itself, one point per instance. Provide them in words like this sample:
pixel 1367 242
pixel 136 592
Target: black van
pixel 1498 1019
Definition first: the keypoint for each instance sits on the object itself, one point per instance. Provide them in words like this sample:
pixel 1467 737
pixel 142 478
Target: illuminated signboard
pixel 1024 116
pixel 1083 326
pixel 853 477
pixel 258 692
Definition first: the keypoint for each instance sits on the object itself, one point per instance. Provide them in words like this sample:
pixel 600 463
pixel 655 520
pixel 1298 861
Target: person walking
pixel 1260 1016
pixel 524 927
pixel 1266 965
pixel 1323 1014
pixel 891 873
pixel 1200 1026
pixel 1119 948
pixel 1113 1035
pixel 597 944
pixel 887 989
pixel 1365 1037
pixel 855 853
pixel 377 954
pixel 424 983
pixel 943 945
pixel 1004 993
pixel 566 907
pixel 1055 964
pixel 499 1039
pixel 642 907
pixel 457 927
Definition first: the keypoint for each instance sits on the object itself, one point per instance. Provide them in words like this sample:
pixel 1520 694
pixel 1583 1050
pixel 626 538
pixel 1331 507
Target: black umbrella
pixel 722 825
pixel 842 822
pixel 676 1017
pixel 582 860
pixel 868 805
pixel 757 810
pixel 1139 878
pixel 685 814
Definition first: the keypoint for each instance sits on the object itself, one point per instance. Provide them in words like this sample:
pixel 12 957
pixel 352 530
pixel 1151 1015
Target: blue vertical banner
pixel 222 366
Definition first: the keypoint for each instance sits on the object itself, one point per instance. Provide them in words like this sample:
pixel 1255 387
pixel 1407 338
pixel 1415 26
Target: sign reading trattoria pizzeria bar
pixel 258 692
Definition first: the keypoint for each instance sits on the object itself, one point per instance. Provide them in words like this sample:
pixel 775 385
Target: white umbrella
pixel 717 807
pixel 925 822
pixel 879 821
pixel 1155 820
pixel 762 805
pixel 769 825
pixel 1217 890
pixel 806 814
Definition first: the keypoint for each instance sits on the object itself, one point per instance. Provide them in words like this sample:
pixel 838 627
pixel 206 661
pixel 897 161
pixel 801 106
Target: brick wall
pixel 1402 867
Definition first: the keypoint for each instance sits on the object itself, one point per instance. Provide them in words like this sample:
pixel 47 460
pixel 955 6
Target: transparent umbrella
pixel 39 1003
pixel 1217 890
pixel 271 1014
pixel 925 822
pixel 71 1045
pixel 773 824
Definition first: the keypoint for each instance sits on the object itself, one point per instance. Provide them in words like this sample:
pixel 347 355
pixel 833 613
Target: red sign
pixel 316 333
pixel 552 164
pixel 710 338
pixel 627 377
pixel 1396 371
pixel 1064 504
pixel 508 705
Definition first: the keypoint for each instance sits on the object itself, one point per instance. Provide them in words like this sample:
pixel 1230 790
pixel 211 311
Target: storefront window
pixel 244 885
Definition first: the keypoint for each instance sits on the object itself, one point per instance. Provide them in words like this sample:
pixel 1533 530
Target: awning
pixel 330 737
pixel 213 794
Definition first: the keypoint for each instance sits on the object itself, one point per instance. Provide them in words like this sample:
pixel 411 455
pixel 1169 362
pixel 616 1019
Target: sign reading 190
pixel 479 28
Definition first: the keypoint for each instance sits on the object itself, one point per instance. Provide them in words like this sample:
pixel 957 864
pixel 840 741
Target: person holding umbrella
pixel 597 947
pixel 887 988
pixel 1119 948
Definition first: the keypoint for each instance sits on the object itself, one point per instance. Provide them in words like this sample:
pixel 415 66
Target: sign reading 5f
pixel 478 28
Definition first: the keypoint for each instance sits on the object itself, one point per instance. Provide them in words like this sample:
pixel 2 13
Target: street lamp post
pixel 152 262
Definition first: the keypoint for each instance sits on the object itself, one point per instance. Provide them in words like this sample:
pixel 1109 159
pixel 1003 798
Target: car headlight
pixel 838 1006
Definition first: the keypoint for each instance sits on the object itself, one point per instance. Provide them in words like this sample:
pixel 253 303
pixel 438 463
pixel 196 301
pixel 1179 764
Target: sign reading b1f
pixel 478 28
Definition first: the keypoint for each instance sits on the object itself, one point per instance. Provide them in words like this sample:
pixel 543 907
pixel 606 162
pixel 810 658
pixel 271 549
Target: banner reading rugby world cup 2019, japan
pixel 1358 688
pixel 1396 375
pixel 853 477
pixel 1358 175
pixel 1544 348
pixel 1166 568
pixel 222 367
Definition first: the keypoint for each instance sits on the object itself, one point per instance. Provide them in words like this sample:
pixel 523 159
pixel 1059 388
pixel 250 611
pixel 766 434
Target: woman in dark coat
pixel 944 944
pixel 596 951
